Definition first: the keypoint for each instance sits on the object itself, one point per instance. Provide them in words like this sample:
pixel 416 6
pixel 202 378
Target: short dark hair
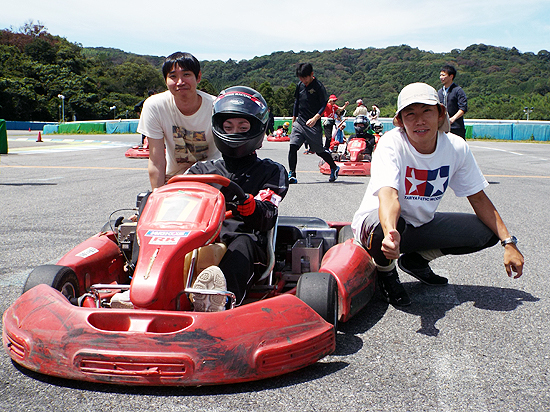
pixel 304 69
pixel 184 60
pixel 450 70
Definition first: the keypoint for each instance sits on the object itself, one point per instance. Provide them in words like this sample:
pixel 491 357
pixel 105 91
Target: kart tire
pixel 58 277
pixel 320 292
pixel 345 233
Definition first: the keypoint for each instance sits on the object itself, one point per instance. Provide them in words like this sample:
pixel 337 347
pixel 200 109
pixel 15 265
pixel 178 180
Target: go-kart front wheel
pixel 320 292
pixel 58 277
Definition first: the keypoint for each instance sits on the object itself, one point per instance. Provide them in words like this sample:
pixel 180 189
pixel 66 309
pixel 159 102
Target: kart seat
pixel 210 255
pixel 271 239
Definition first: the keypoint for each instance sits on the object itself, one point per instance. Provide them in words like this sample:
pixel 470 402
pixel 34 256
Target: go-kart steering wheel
pixel 232 192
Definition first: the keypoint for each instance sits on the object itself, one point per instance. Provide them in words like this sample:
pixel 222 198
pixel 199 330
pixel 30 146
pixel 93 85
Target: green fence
pixel 3 137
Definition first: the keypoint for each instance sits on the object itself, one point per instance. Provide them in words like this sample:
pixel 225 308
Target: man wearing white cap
pixel 361 109
pixel 412 167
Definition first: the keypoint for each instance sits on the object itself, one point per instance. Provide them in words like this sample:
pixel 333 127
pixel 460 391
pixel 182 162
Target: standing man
pixel 179 119
pixel 361 109
pixel 309 105
pixel 412 168
pixel 331 112
pixel 454 99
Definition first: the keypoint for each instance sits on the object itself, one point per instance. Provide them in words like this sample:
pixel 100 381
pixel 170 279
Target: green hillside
pixel 35 67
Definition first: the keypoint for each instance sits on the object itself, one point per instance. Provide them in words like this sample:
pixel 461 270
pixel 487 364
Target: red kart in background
pixel 279 135
pixel 91 318
pixel 351 159
pixel 139 152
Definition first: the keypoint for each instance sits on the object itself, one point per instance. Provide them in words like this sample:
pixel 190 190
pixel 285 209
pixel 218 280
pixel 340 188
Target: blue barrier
pixel 495 131
pixel 25 125
pixel 50 129
pixel 527 131
pixel 117 127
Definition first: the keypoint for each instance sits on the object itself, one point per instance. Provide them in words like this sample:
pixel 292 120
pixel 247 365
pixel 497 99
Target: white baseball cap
pixel 420 93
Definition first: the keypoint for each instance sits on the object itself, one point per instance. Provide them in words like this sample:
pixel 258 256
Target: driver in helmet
pixel 285 128
pixel 239 122
pixel 363 130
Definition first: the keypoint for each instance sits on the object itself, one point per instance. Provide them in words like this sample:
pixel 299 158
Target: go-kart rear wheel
pixel 320 292
pixel 345 233
pixel 58 277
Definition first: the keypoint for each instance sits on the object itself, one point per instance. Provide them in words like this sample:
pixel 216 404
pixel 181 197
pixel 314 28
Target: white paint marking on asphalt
pixel 497 150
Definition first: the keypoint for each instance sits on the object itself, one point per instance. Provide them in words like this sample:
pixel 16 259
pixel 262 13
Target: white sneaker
pixel 211 278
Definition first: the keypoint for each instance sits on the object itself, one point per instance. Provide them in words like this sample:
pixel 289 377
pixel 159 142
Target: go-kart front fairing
pixel 289 322
pixel 45 333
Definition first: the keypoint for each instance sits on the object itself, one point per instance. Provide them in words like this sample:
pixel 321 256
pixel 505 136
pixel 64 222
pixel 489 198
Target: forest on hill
pixel 36 67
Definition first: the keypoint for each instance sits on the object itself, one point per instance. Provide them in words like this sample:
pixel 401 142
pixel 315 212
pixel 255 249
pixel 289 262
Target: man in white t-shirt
pixel 179 119
pixel 412 167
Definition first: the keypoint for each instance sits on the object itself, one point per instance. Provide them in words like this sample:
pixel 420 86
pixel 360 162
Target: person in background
pixel 177 122
pixel 332 110
pixel 454 99
pixel 412 168
pixel 361 109
pixel 373 114
pixel 309 105
pixel 270 123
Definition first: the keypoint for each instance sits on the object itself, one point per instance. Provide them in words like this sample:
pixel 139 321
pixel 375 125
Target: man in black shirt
pixel 309 104
pixel 454 99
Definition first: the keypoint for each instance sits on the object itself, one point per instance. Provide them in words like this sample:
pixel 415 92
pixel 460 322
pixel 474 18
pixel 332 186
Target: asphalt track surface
pixel 482 343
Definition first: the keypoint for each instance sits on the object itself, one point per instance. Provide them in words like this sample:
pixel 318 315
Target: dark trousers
pixel 243 262
pixel 452 233
pixel 460 132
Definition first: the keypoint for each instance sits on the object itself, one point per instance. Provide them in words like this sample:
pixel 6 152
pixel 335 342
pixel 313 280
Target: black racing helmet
pixel 361 124
pixel 245 102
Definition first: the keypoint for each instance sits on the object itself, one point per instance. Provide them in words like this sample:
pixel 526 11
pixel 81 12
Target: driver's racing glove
pixel 247 207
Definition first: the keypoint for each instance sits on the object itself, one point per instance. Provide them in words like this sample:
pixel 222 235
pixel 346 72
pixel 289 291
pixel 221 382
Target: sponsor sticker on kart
pixel 166 237
pixel 87 252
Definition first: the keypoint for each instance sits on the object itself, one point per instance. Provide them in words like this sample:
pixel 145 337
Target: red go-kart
pixel 351 159
pixel 138 152
pixel 279 135
pixel 90 318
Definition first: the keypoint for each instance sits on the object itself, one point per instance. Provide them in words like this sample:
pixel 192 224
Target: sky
pixel 243 29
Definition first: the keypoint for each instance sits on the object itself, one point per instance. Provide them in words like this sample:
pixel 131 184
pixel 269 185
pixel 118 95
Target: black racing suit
pixel 245 236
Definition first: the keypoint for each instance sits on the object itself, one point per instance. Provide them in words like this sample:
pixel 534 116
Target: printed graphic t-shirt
pixel 188 139
pixel 420 179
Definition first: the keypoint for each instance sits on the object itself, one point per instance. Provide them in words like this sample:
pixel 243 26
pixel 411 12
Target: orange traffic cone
pixel 39 137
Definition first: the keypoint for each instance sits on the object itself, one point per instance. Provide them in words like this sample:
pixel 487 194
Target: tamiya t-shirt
pixel 420 179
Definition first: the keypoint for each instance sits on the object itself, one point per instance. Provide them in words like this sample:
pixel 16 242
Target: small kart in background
pixel 91 317
pixel 282 134
pixel 351 159
pixel 139 152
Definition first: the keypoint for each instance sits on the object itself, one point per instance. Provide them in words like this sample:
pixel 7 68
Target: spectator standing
pixel 361 109
pixel 332 111
pixel 454 99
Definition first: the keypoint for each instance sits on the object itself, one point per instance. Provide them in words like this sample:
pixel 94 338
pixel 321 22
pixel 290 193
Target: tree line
pixel 37 67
